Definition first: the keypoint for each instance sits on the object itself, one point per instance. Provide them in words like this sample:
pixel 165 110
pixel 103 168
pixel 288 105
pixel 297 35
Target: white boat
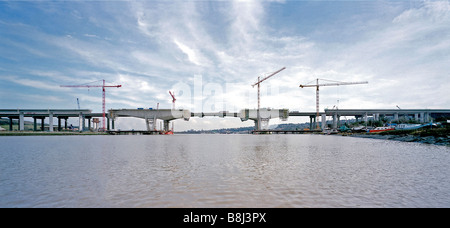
pixel 407 126
pixel 411 126
pixel 359 128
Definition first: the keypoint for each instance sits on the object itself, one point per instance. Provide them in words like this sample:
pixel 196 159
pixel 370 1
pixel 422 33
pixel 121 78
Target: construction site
pixel 105 121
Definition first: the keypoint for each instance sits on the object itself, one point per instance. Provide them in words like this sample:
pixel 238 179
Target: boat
pixel 381 129
pixel 408 126
pixel 412 126
pixel 359 129
pixel 329 131
pixel 168 133
pixel 332 132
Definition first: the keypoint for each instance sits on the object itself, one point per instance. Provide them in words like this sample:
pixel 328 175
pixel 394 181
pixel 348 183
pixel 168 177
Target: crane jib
pixel 276 72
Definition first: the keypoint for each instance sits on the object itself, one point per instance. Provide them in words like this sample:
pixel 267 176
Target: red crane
pixel 173 99
pixel 103 88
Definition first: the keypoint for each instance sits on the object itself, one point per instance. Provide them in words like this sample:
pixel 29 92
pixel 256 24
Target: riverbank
pixel 439 136
pixel 44 133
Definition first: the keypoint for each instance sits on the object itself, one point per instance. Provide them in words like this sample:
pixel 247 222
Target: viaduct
pixel 166 115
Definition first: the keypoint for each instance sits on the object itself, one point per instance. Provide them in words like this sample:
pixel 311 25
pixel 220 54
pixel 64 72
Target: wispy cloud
pixel 151 46
pixel 31 83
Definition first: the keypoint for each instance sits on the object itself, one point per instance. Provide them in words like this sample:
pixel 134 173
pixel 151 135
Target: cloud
pixel 407 53
pixel 191 54
pixel 151 47
pixel 32 83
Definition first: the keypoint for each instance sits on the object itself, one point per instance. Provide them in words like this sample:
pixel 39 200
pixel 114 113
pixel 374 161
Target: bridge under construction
pixel 166 115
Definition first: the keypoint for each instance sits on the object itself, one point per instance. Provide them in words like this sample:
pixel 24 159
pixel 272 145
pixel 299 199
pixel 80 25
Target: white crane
pixel 258 84
pixel 317 85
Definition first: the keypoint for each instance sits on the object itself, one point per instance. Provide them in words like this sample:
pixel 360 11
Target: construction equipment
pixel 258 84
pixel 78 102
pixel 103 86
pixel 173 100
pixel 317 85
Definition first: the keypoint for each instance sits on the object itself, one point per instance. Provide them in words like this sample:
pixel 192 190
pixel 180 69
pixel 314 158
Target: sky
pixel 209 53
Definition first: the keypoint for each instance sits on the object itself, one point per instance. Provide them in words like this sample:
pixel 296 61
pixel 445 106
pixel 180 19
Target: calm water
pixel 221 171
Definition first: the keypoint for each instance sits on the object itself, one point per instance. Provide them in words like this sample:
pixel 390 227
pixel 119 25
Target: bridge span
pixel 420 115
pixel 150 116
pixel 42 114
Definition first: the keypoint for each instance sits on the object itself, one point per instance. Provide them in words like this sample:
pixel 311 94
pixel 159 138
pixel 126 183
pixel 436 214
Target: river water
pixel 221 171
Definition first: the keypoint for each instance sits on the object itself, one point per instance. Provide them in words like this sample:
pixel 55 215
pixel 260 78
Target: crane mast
pixel 259 91
pixel 317 85
pixel 103 86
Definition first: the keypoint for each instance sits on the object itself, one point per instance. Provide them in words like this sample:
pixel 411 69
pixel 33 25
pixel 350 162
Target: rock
pixel 408 138
pixel 443 141
pixel 428 140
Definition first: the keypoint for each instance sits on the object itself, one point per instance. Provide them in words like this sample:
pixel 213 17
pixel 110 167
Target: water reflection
pixel 221 171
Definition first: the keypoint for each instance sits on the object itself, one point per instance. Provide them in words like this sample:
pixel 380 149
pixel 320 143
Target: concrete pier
pixel 265 115
pixel 421 115
pixel 42 114
pixel 167 115
pixel 150 115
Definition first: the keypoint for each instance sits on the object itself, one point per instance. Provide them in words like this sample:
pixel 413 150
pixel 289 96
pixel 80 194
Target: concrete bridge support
pixel 150 116
pixel 81 122
pixel 376 117
pixel 41 114
pixel 312 122
pixel 426 117
pixel 50 122
pixel 335 121
pixel 21 122
pixel 324 121
pixel 265 115
pixel 166 125
pixel 422 117
pixel 396 116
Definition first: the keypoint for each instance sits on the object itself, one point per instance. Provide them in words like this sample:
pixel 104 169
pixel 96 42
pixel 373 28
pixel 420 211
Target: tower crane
pixel 173 100
pixel 317 85
pixel 103 86
pixel 258 84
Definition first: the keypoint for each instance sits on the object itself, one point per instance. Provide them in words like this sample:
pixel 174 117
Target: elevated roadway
pixel 41 114
pixel 150 115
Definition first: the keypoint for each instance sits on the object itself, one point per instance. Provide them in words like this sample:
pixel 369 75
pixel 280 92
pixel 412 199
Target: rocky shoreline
pixel 435 140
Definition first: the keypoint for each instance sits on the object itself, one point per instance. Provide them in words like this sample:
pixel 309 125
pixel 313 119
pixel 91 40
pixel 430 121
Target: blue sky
pixel 150 47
